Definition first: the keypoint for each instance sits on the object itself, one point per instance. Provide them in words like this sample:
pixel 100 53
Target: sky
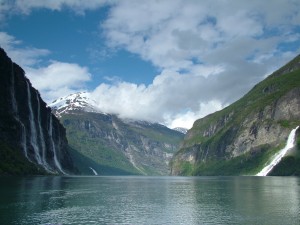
pixel 165 61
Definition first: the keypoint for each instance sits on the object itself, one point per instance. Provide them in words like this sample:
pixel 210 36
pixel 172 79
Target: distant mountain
pixel 242 138
pixel 32 140
pixel 72 103
pixel 181 129
pixel 105 144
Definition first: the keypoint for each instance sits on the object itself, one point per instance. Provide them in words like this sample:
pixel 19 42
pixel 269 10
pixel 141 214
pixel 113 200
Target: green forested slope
pixel 242 137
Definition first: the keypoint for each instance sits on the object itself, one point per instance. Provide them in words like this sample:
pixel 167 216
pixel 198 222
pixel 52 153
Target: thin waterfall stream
pixel 94 171
pixel 50 131
pixel 33 132
pixel 289 144
pixel 16 112
pixel 41 134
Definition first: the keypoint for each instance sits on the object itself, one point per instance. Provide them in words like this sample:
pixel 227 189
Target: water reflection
pixel 276 198
pixel 149 200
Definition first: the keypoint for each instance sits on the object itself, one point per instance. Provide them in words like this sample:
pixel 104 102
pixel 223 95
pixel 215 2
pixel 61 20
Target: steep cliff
pixel 110 145
pixel 32 140
pixel 241 138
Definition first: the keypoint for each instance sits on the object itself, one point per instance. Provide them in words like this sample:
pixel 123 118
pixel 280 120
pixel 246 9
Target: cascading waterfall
pixel 33 133
pixel 289 144
pixel 94 171
pixel 56 162
pixel 23 140
pixel 41 134
pixel 16 112
pixel 12 90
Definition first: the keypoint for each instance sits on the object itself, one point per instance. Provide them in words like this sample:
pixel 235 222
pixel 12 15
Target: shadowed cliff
pixel 32 140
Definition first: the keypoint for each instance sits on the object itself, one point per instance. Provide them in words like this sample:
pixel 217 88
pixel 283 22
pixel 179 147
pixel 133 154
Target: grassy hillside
pixel 90 150
pixel 112 146
pixel 212 135
pixel 263 94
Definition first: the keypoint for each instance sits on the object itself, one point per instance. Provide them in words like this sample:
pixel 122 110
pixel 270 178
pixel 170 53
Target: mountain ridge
pixel 79 101
pixel 111 145
pixel 249 130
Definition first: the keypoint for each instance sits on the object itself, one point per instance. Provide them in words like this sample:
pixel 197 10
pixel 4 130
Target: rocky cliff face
pixel 111 145
pixel 242 137
pixel 121 147
pixel 29 133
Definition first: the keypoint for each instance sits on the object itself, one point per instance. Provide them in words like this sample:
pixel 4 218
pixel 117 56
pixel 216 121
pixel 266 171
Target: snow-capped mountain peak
pixel 181 130
pixel 80 101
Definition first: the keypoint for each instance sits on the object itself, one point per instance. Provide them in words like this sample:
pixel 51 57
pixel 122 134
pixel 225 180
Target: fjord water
pixel 150 200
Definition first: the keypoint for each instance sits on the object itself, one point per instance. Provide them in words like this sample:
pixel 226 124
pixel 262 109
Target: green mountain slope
pixel 112 146
pixel 241 138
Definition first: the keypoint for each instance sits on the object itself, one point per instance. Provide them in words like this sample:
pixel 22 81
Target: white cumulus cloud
pixel 54 80
pixel 79 6
pixel 25 57
pixel 58 79
pixel 209 53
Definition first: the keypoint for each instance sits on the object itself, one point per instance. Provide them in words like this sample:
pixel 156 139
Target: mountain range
pixel 73 136
pixel 106 144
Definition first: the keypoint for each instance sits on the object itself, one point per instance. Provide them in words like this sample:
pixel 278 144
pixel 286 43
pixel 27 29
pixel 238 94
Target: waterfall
pixel 41 134
pixel 12 90
pixel 280 154
pixel 50 131
pixel 94 171
pixel 23 139
pixel 16 112
pixel 33 133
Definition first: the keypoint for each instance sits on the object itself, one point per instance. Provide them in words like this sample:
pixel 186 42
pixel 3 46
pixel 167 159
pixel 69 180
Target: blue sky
pixel 77 38
pixel 167 61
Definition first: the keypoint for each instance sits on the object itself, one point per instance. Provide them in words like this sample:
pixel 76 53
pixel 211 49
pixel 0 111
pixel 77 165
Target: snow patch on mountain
pixel 181 130
pixel 80 101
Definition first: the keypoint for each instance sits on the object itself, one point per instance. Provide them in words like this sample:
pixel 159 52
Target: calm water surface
pixel 150 200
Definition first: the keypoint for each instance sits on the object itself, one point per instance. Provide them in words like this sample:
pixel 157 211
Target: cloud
pixel 187 119
pixel 210 53
pixel 58 79
pixel 7 41
pixel 24 56
pixel 171 34
pixel 54 80
pixel 78 6
pixel 173 99
pixel 5 6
